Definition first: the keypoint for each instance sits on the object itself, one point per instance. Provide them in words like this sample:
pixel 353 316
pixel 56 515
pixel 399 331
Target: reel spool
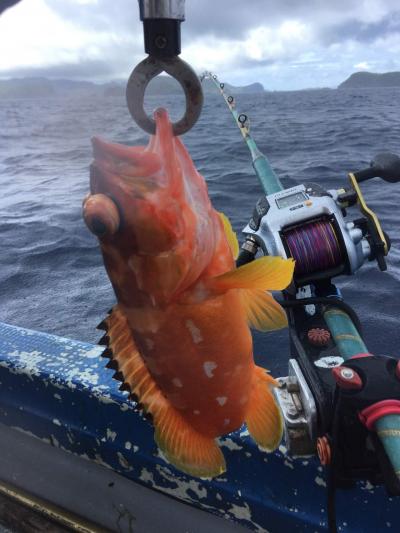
pixel 317 248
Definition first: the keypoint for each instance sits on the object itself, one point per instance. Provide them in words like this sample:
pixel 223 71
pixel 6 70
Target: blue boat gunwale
pixel 58 390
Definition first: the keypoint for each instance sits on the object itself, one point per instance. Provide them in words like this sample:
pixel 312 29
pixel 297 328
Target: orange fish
pixel 179 335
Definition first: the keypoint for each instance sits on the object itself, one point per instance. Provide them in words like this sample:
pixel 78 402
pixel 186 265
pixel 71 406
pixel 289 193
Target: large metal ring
pixel 145 71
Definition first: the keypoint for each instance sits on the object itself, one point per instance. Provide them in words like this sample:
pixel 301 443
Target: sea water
pixel 51 274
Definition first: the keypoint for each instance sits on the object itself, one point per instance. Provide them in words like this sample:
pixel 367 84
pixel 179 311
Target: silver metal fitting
pixel 166 9
pixel 250 245
pixel 299 411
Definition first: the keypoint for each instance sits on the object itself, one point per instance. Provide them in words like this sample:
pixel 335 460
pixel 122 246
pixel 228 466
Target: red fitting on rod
pixel 371 414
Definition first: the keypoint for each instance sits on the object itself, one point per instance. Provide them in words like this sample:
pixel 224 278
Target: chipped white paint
pixel 177 383
pixel 57 396
pixel 135 449
pixel 319 481
pixel 182 486
pixel 147 477
pixel 124 462
pixel 241 512
pixel 245 433
pixel 27 363
pixel 99 460
pixel 194 331
pixel 128 445
pixel 30 434
pixel 288 464
pixel 111 435
pixel 95 352
pixel 282 449
pixel 209 367
pixel 366 485
pixel 221 400
pixel 56 422
pixel 227 442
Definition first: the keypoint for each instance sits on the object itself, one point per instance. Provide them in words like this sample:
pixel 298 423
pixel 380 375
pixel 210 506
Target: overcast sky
pixel 284 44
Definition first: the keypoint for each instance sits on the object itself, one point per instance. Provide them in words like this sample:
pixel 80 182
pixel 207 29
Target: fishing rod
pixel 265 173
pixel 338 400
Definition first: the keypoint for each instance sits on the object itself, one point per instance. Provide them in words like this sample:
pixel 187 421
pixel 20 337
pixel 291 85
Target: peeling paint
pixel 320 481
pixel 111 435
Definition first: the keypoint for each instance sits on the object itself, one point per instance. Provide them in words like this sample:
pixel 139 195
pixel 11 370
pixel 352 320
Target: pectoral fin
pixel 263 312
pixel 265 273
pixel 184 447
pixel 230 235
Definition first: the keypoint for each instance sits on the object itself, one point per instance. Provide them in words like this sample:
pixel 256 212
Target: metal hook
pixel 148 69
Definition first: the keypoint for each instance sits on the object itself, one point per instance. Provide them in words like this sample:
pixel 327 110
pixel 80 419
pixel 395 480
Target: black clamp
pixel 368 387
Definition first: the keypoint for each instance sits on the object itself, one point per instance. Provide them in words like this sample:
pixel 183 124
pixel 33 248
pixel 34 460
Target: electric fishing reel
pixel 310 224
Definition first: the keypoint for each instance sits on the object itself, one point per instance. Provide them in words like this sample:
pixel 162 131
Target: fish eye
pixel 101 215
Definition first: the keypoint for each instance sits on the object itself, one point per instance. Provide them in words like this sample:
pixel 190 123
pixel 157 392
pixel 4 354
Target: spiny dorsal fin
pixel 185 448
pixel 263 312
pixel 265 273
pixel 230 235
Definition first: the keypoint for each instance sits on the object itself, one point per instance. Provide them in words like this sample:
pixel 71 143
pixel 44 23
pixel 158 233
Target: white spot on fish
pixel 177 382
pixel 221 400
pixel 196 412
pixel 209 367
pixel 149 343
pixel 319 481
pixel 194 331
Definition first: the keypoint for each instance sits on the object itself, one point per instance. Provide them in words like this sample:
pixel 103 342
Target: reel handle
pixel 384 165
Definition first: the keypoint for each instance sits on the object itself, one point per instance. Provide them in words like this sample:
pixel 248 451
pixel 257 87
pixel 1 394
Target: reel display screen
pixel 290 200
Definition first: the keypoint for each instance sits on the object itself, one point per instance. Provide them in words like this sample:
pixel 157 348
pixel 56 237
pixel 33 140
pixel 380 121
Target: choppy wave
pixel 51 273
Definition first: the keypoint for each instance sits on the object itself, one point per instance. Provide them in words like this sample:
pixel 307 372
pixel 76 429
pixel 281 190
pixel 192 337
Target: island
pixel 161 85
pixel 371 79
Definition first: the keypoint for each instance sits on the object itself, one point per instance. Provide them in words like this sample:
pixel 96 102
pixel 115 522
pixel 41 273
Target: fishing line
pixel 268 179
pixel 314 246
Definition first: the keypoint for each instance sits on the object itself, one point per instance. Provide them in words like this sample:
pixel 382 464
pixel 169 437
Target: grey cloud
pixel 78 71
pixel 362 32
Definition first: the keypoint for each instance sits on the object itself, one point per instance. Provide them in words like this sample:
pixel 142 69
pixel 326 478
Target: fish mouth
pixel 128 162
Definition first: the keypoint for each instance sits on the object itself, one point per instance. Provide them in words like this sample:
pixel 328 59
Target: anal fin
pixel 188 450
pixel 263 419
